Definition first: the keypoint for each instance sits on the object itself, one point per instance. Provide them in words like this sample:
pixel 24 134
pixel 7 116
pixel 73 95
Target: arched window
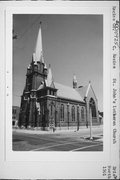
pixel 68 112
pixel 82 113
pixel 93 108
pixel 62 112
pixel 51 108
pixel 77 113
pixel 73 113
pixel 67 108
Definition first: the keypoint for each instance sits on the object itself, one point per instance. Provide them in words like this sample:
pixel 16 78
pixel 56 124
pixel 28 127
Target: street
pixel 32 140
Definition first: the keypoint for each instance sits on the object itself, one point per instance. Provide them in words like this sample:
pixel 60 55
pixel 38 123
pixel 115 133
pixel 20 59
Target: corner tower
pixel 36 74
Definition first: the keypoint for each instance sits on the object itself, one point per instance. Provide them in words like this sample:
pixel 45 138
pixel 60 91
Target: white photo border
pixel 94 161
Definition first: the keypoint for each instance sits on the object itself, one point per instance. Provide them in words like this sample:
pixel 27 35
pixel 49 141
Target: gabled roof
pixel 67 92
pixel 82 90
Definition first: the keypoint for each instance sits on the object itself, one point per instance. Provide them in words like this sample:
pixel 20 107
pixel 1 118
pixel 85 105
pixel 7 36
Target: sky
pixel 72 44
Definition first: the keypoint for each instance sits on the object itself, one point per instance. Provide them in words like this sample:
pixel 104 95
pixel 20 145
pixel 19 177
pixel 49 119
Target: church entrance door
pixel 52 116
pixel 93 108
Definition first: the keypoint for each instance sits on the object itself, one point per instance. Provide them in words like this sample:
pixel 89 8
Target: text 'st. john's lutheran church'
pixel 46 104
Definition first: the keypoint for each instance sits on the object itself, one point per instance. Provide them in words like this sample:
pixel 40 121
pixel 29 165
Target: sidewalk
pixel 81 130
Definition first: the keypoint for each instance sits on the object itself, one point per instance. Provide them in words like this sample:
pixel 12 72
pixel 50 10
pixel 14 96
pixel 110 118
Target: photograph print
pixel 57 100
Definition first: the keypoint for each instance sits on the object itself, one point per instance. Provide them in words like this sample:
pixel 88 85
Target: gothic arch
pixel 92 106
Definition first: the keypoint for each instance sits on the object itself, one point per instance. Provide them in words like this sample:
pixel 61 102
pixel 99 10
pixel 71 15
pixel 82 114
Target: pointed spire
pixel 74 81
pixel 38 47
pixel 49 77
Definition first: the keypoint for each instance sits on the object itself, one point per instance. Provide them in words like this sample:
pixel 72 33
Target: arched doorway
pixel 93 108
pixel 92 114
pixel 52 115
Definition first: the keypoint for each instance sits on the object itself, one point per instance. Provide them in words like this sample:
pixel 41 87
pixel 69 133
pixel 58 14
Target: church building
pixel 47 105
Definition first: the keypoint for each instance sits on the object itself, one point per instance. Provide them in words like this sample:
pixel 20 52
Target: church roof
pixel 85 90
pixel 82 90
pixel 67 92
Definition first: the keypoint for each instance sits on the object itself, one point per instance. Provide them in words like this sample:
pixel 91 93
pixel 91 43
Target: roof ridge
pixel 68 92
pixel 63 85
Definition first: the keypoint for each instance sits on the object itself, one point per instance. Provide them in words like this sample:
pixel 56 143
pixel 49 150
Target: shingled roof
pixel 68 92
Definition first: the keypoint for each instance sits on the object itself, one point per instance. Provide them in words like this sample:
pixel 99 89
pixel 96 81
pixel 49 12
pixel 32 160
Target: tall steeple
pixel 74 81
pixel 38 48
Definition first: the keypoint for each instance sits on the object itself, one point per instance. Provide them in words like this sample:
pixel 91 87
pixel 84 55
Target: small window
pixel 51 92
pixel 68 111
pixel 13 123
pixel 13 117
pixel 14 111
